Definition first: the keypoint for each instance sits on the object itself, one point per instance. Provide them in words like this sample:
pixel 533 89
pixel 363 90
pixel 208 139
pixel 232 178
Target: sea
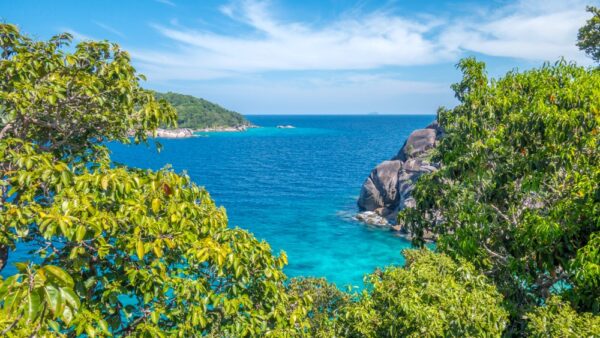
pixel 295 188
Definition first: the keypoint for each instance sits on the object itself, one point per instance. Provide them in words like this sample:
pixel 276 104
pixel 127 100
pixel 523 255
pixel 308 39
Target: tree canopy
pixel 197 113
pixel 588 38
pixel 518 190
pixel 432 296
pixel 116 251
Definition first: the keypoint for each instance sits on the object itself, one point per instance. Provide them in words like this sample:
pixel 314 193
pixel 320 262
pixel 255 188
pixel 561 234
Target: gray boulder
pixel 389 187
pixel 419 141
pixel 380 188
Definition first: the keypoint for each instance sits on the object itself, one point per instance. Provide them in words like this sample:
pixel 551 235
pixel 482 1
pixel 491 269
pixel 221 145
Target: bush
pixel 558 319
pixel 432 296
pixel 326 301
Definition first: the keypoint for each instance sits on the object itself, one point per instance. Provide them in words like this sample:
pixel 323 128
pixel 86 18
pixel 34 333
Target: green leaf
pixel 59 275
pixel 70 297
pixel 54 299
pixel 155 205
pixel 34 306
pixel 67 315
pixel 140 249
pixel 22 267
pixel 80 233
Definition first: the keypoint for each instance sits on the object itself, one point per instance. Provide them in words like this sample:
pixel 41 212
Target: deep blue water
pixel 295 188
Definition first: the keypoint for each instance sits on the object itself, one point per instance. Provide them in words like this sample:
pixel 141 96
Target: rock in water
pixel 174 133
pixel 380 189
pixel 371 217
pixel 388 188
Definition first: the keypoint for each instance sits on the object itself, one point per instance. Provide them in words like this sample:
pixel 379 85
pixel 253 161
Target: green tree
pixel 588 39
pixel 116 251
pixel 558 319
pixel 518 190
pixel 326 303
pixel 432 296
pixel 196 113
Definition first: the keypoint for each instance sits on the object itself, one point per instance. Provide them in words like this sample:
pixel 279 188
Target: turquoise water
pixel 294 188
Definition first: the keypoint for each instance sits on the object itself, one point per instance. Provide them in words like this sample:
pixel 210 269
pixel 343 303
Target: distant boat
pixel 285 126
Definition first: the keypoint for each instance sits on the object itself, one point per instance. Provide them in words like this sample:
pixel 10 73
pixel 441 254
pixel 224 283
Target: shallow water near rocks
pixel 295 188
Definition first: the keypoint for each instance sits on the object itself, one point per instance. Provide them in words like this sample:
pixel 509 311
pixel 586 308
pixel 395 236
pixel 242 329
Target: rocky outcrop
pixel 388 188
pixel 371 217
pixel 243 127
pixel 188 132
pixel 174 133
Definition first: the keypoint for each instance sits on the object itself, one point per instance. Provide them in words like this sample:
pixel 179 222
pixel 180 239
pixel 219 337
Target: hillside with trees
pixel 198 113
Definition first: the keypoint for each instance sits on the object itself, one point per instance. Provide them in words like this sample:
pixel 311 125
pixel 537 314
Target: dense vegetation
pixel 196 113
pixel 117 251
pixel 589 35
pixel 518 194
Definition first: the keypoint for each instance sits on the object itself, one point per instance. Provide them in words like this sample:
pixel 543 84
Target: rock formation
pixel 174 133
pixel 388 188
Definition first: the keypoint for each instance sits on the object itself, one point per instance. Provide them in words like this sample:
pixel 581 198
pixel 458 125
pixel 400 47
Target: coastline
pixel 189 132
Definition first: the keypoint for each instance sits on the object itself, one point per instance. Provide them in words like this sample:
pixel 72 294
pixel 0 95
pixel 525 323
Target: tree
pixel 558 319
pixel 518 189
pixel 326 303
pixel 117 251
pixel 588 39
pixel 196 113
pixel 432 296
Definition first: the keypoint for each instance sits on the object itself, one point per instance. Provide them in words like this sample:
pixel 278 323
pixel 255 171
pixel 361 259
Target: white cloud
pixel 77 35
pixel 361 42
pixel 109 29
pixel 529 30
pixel 166 2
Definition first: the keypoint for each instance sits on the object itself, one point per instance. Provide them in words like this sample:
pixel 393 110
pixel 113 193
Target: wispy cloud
pixel 109 29
pixel 527 30
pixel 76 35
pixel 530 30
pixel 370 41
pixel 166 2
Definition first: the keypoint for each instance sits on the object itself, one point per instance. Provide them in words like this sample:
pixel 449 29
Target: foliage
pixel 197 113
pixel 69 102
pixel 558 319
pixel 588 38
pixel 326 303
pixel 432 296
pixel 518 192
pixel 117 251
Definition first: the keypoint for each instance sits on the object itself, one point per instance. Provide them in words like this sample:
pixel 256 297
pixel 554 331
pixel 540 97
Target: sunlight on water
pixel 294 188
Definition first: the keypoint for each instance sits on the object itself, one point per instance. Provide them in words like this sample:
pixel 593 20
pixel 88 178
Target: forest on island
pixel 197 113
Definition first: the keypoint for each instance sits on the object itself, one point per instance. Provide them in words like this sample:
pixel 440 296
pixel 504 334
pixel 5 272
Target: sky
pixel 315 56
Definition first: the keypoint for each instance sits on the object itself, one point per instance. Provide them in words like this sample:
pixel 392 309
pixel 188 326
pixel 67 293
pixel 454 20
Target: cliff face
pixel 388 188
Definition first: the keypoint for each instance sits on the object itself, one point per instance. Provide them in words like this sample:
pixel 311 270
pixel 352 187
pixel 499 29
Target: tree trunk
pixel 3 256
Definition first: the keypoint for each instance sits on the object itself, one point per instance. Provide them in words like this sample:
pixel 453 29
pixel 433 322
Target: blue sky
pixel 315 57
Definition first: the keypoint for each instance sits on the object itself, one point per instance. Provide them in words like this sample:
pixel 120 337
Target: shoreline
pixel 189 132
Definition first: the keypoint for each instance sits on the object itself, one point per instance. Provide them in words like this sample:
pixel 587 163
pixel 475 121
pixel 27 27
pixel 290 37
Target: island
pixel 199 115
